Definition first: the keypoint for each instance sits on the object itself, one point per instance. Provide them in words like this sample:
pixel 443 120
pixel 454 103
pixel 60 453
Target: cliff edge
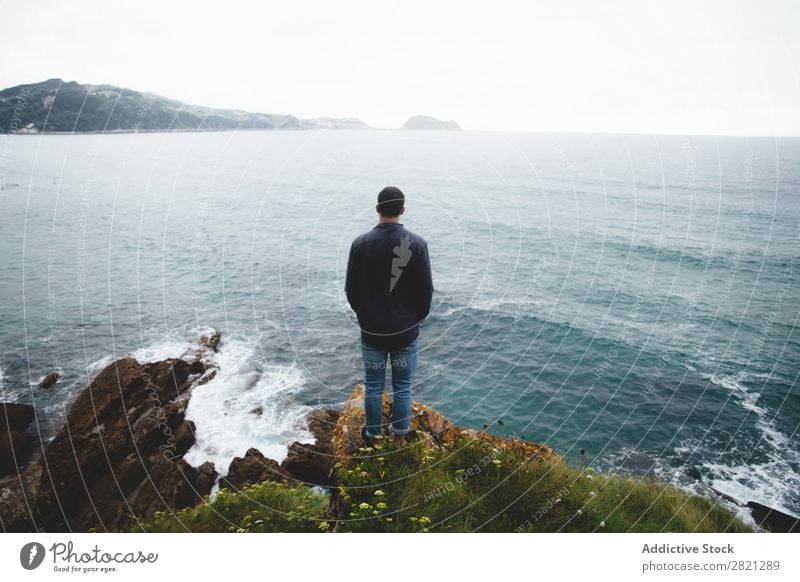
pixel 430 426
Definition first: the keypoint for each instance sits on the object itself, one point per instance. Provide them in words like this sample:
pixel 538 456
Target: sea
pixel 630 300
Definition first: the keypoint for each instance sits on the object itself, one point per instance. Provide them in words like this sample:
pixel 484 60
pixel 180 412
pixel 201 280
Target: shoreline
pixel 149 437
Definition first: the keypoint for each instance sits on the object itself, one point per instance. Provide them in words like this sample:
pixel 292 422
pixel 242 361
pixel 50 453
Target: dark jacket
pixel 389 284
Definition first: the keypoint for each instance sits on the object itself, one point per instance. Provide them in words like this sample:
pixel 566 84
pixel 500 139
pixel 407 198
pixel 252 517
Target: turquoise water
pixel 633 296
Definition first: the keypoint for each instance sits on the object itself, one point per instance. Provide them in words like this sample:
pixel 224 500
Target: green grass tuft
pixel 264 507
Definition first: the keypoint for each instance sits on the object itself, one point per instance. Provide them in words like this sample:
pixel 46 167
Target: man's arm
pixel 351 279
pixel 425 283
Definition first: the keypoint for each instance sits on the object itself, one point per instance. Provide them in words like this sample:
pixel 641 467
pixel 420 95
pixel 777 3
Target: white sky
pixel 669 67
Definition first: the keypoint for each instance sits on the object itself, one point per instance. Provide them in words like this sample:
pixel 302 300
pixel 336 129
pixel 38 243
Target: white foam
pixel 5 392
pixel 222 409
pixel 746 398
pixel 169 348
pixel 172 346
pixel 769 434
pixel 94 368
pixel 772 483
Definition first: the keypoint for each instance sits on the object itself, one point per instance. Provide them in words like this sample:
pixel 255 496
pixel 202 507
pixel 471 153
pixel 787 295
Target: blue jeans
pixel 403 362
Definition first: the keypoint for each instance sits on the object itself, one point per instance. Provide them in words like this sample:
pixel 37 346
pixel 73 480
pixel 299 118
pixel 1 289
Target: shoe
pixel 369 441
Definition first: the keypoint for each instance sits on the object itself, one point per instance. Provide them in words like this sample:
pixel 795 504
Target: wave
pixel 772 479
pixel 247 404
pixel 634 463
pixel 745 397
pixel 779 443
pixel 768 483
pixel 173 345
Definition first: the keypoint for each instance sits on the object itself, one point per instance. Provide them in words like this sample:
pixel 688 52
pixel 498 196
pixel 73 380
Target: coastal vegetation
pixel 466 488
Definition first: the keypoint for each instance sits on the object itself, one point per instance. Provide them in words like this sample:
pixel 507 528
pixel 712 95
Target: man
pixel 389 286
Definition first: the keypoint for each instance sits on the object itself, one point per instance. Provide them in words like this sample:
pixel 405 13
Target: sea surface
pixel 633 297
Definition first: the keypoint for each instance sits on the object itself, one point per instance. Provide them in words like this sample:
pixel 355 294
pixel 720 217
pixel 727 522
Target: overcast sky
pixel 728 67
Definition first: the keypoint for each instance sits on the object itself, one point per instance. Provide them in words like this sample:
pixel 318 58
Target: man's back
pixel 389 284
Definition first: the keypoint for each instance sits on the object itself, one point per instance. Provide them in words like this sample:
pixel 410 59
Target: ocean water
pixel 636 297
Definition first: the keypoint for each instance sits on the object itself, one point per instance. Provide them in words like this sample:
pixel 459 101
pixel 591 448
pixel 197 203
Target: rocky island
pixel 117 465
pixel 427 122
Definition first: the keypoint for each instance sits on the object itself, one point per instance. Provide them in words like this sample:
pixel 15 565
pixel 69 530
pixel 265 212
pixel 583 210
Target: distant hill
pixel 57 106
pixel 427 122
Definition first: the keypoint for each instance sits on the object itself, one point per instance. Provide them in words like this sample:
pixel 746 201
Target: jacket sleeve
pixel 425 283
pixel 351 279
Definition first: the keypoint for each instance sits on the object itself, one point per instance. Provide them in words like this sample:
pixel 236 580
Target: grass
pixel 263 507
pixel 473 488
pixel 469 487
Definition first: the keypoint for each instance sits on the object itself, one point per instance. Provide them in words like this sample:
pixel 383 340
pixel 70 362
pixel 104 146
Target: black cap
pixel 390 201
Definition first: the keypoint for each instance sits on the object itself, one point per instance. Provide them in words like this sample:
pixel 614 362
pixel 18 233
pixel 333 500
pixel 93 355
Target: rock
pixel 429 425
pixel 772 519
pixel 184 439
pixel 15 417
pixel 156 428
pixel 123 385
pixel 18 512
pixel 15 447
pixel 310 464
pixel 322 423
pixel 120 451
pixel 211 341
pixel 252 468
pixel 427 122
pixel 50 380
pixel 171 486
pixel 205 477
pixel 210 375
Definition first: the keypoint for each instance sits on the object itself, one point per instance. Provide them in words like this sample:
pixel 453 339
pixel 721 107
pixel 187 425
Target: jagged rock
pixel 15 417
pixel 156 427
pixel 429 424
pixel 252 468
pixel 309 464
pixel 205 477
pixel 171 486
pixel 184 437
pixel 50 380
pixel 210 375
pixel 14 450
pixel 211 341
pixel 322 423
pixel 772 519
pixel 313 464
pixel 18 510
pixel 120 451
pixel 126 383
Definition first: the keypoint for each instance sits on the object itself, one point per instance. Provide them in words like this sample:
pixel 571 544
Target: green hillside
pixel 58 106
